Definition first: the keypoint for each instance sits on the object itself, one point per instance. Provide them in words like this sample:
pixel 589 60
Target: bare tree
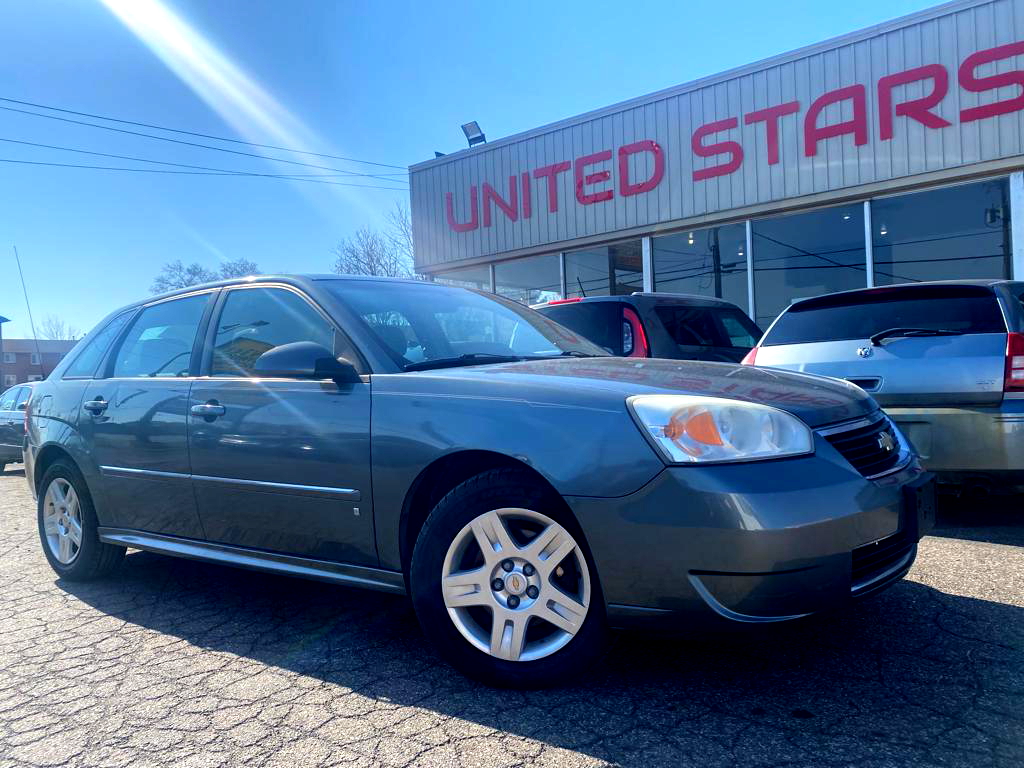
pixel 175 275
pixel 370 252
pixel 386 253
pixel 55 328
pixel 399 229
pixel 238 268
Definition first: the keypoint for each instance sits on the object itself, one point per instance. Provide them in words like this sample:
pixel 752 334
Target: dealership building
pixel 890 155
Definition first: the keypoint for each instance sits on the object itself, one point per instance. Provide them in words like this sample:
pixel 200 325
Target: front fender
pixel 585 445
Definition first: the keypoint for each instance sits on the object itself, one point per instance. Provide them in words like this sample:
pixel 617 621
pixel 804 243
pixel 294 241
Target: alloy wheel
pixel 516 584
pixel 62 521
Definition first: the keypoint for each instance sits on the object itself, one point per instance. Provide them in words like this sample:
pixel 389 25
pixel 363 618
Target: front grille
pixel 872 561
pixel 871 446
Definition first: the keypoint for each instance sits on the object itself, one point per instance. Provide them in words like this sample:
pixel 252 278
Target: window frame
pixel 209 335
pixel 106 368
pixel 69 361
pixel 10 358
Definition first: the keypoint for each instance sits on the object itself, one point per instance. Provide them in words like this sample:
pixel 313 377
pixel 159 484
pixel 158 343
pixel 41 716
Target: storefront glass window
pixel 954 233
pixel 605 271
pixel 470 277
pixel 705 262
pixel 807 254
pixel 532 280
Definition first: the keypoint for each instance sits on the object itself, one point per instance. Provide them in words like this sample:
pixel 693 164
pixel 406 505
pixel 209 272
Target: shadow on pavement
pixel 994 519
pixel 913 676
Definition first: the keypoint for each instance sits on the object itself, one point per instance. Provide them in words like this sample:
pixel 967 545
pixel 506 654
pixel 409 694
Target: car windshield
pixel 965 309
pixel 423 323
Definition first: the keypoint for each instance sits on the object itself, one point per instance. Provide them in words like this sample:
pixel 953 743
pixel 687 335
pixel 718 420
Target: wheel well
pixel 437 480
pixel 46 457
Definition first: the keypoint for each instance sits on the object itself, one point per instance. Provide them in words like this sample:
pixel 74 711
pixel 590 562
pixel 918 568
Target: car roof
pixel 298 280
pixel 641 297
pixel 988 282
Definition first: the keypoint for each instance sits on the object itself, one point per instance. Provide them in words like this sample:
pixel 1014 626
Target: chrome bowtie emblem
pixel 864 351
pixel 886 442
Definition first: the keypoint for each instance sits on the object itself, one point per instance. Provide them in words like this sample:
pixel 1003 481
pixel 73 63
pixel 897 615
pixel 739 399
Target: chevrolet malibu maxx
pixel 527 491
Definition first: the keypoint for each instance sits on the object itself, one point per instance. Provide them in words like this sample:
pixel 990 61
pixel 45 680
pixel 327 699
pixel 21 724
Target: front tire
pixel 68 529
pixel 504 586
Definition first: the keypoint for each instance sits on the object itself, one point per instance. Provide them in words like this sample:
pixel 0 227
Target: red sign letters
pixel 595 181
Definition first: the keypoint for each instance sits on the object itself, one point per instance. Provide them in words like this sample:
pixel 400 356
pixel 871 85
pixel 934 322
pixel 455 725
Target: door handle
pixel 95 407
pixel 209 410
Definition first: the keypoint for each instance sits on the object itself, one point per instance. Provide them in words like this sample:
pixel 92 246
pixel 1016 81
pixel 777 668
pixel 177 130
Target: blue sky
pixel 389 82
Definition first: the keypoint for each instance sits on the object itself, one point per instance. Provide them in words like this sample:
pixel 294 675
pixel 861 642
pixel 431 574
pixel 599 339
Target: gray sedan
pixel 526 490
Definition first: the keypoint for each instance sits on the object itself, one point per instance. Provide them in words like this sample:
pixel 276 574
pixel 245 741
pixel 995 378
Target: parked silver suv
pixel 945 360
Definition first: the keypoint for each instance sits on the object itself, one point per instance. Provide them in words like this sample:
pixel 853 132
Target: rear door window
pixel 159 342
pixel 965 309
pixel 598 321
pixel 708 326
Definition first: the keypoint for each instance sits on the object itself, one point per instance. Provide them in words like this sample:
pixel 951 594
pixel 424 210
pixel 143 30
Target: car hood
pixel 816 400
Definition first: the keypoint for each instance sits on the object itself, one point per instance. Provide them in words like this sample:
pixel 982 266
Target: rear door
pixel 134 416
pixel 830 335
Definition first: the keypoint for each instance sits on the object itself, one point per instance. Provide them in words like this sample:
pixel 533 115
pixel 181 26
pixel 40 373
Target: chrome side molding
pixel 271 562
pixel 260 485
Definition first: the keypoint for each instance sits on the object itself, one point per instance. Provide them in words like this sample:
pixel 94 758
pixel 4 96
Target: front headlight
pixel 691 429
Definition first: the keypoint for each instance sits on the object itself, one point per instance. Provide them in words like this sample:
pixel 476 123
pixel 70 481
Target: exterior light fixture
pixel 883 231
pixel 473 133
pixel 846 217
pixel 689 239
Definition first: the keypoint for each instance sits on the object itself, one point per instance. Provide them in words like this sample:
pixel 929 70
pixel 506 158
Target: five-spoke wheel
pixel 515 584
pixel 62 520
pixel 503 583
pixel 68 528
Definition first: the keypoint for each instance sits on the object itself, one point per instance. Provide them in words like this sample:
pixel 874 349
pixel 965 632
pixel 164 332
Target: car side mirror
pixel 22 406
pixel 305 360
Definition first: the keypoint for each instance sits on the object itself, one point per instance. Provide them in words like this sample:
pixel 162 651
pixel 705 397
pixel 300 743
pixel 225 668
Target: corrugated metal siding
pixel 671 120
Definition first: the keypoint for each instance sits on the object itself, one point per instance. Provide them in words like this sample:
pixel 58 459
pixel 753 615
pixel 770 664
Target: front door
pixel 134 422
pixel 281 465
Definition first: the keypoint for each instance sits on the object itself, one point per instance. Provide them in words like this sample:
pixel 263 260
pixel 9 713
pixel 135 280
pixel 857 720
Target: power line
pixel 196 173
pixel 185 143
pixel 295 177
pixel 194 133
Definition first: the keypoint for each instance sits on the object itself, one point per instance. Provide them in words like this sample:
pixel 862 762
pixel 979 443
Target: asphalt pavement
pixel 180 664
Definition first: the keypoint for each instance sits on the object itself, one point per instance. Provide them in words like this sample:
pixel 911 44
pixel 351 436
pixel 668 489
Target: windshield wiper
pixel 878 338
pixel 576 353
pixel 473 358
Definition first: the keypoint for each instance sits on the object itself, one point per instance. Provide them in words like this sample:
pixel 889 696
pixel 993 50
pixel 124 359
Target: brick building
pixel 21 360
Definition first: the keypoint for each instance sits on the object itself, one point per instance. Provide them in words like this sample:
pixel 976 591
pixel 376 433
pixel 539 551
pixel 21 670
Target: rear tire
pixel 533 573
pixel 68 529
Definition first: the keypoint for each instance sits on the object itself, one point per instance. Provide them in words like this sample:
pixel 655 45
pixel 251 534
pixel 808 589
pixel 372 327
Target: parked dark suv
pixel 671 325
pixel 526 489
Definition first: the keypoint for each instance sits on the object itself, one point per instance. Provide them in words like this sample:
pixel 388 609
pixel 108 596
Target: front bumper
pixel 753 543
pixel 972 440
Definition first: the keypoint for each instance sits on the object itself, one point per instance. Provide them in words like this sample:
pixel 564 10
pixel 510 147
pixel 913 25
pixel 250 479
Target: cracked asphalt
pixel 176 663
